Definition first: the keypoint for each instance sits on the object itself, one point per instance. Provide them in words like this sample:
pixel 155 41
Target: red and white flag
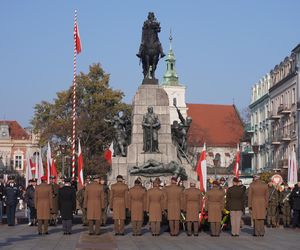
pixel 77 37
pixel 49 163
pixel 292 169
pixel 80 167
pixel 28 174
pixel 40 168
pixel 237 162
pixel 202 170
pixel 108 153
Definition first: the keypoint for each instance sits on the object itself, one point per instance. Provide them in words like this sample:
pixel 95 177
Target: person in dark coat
pixel 2 188
pixel 235 203
pixel 29 199
pixel 12 197
pixel 295 202
pixel 67 205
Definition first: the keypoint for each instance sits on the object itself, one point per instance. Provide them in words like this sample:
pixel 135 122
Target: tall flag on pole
pixel 202 170
pixel 77 50
pixel 237 162
pixel 49 163
pixel 40 170
pixel 292 169
pixel 80 167
pixel 108 153
pixel 28 174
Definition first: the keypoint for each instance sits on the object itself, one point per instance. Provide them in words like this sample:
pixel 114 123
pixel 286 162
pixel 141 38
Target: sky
pixel 222 47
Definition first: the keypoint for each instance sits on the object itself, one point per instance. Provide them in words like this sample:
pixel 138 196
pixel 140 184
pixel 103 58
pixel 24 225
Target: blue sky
pixel 222 47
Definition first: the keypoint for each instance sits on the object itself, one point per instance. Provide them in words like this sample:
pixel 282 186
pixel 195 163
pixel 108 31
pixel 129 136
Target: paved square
pixel 25 237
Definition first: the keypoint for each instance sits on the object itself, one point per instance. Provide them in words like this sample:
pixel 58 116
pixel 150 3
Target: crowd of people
pixel 268 204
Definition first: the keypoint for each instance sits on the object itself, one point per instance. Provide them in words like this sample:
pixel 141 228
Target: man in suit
pixel 173 201
pixel 215 205
pixel 192 203
pixel 43 203
pixel 155 207
pixel 118 204
pixel 94 204
pixel 67 205
pixel 258 196
pixel 136 205
pixel 235 201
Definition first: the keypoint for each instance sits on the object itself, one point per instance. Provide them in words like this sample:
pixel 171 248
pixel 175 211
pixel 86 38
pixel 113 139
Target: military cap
pixel 67 180
pixel 222 179
pixel 120 177
pixel 236 180
pixel 34 180
pixel 96 177
pixel 11 178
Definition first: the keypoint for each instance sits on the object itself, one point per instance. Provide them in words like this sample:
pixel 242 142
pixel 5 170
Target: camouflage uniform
pixel 285 207
pixel 272 210
pixel 80 199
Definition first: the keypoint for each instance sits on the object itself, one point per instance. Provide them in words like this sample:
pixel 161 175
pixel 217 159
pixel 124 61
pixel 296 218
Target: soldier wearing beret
pixel 215 205
pixel 118 204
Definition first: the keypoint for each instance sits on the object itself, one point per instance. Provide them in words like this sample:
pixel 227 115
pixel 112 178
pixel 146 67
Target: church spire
pixel 170 77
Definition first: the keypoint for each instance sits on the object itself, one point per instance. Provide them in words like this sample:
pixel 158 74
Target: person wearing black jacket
pixel 12 197
pixel 295 202
pixel 67 205
pixel 235 203
pixel 29 199
pixel 1 197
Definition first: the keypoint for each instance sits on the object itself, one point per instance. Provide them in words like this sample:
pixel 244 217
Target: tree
pixel 96 100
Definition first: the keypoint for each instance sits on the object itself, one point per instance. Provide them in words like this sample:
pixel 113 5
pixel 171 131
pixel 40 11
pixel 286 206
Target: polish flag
pixel 40 168
pixel 53 170
pixel 80 167
pixel 49 163
pixel 202 170
pixel 28 174
pixel 108 153
pixel 77 38
pixel 237 162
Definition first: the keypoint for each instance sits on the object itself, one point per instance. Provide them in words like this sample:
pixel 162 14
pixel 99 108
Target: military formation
pixel 178 207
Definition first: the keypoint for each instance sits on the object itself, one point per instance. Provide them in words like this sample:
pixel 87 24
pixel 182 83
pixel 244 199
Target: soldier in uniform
pixel 235 203
pixel 12 197
pixel 173 201
pixel 80 199
pixel 295 202
pixel 258 196
pixel 118 204
pixel 136 205
pixel 54 211
pixel 192 203
pixel 67 205
pixel 215 205
pixel 29 199
pixel 94 203
pixel 43 203
pixel 285 205
pixel 155 207
pixel 273 205
pixel 106 199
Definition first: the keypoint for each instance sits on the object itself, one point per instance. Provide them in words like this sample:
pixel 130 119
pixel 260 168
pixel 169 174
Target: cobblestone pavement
pixel 25 237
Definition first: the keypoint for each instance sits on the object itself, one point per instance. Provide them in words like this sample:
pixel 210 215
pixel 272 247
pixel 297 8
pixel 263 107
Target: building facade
pixel 15 143
pixel 274 119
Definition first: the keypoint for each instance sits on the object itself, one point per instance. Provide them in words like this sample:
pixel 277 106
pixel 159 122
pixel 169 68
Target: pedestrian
pixel 155 207
pixel 29 199
pixel 136 205
pixel 54 211
pixel 12 197
pixel 118 204
pixel 173 205
pixel 2 189
pixel 43 203
pixel 192 203
pixel 295 202
pixel 94 204
pixel 80 199
pixel 215 205
pixel 106 200
pixel 285 205
pixel 258 196
pixel 235 203
pixel 67 205
pixel 273 204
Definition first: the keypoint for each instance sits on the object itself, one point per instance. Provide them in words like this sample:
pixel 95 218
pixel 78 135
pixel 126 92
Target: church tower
pixel 175 90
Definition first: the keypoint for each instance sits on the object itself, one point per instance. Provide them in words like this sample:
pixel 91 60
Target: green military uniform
pixel 80 199
pixel 106 200
pixel 272 210
pixel 285 207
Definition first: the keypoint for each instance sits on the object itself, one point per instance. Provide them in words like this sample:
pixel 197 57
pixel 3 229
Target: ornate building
pixel 15 143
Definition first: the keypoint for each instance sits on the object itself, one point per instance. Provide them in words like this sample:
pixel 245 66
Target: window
pixel 18 162
pixel 293 96
pixel 171 66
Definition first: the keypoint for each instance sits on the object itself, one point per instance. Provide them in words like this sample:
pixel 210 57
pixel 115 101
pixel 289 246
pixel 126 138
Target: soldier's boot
pixel 189 228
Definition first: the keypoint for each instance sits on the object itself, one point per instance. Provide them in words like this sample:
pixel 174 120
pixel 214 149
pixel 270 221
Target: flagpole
pixel 74 100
